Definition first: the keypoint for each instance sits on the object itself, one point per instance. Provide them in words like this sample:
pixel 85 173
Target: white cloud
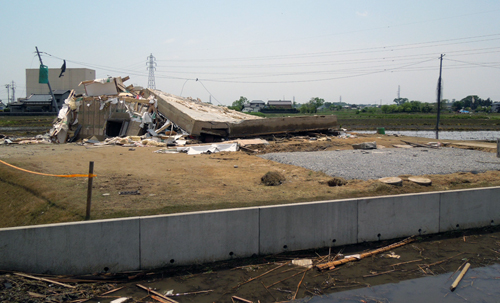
pixel 168 41
pixel 363 14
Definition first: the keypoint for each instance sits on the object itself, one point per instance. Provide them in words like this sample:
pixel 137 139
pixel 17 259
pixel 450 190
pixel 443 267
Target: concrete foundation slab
pixel 469 208
pixel 199 237
pixel 307 225
pixel 397 216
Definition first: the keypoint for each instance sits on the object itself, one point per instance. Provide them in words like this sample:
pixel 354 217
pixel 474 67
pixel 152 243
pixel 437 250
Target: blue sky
pixel 264 50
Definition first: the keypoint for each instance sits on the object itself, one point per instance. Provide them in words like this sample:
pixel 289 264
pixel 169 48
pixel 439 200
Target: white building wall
pixel 70 80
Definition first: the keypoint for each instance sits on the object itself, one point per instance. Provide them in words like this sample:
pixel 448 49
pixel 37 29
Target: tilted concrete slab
pixel 397 216
pixel 199 237
pixel 307 225
pixel 198 118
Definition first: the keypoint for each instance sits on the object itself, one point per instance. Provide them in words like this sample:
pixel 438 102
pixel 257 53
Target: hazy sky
pixel 360 50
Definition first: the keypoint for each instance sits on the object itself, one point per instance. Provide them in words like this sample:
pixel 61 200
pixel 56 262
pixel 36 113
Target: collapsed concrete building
pixel 110 109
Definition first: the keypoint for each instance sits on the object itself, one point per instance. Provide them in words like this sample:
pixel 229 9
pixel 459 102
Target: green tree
pixel 238 104
pixel 316 102
pixel 400 101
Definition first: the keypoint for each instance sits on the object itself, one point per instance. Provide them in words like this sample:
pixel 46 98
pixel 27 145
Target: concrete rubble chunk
pixel 365 145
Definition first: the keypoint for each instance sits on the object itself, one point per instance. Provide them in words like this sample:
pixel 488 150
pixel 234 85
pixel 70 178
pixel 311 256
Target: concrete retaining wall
pixel 157 241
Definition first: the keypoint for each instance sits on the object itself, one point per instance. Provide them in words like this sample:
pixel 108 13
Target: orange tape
pixel 50 175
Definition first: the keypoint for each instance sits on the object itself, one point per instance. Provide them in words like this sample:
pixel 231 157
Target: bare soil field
pixel 170 183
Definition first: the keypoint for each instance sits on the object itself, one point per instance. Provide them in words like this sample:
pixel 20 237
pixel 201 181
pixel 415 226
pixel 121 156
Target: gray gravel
pixel 390 162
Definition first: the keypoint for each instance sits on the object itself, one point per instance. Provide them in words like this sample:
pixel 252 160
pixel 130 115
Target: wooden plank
pixel 125 78
pixel 460 276
pixel 43 279
pixel 156 293
pixel 132 100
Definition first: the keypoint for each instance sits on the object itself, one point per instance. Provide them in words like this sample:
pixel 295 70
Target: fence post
pixel 498 148
pixel 89 189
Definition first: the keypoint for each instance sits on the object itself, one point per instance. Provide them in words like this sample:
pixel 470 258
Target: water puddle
pixel 478 285
pixel 445 135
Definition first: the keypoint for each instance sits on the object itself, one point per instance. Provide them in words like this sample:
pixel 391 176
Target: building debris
pixel 365 145
pixel 110 110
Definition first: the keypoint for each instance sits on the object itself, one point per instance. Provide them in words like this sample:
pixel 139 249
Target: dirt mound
pixel 337 182
pixel 272 178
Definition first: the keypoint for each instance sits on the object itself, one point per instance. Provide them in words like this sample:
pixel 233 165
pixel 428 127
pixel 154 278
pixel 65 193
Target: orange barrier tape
pixel 42 174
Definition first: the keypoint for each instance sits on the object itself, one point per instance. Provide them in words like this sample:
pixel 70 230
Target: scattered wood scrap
pixel 43 279
pixel 331 265
pixel 149 290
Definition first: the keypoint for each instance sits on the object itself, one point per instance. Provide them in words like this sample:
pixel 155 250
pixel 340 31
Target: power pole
pixel 13 87
pixel 439 96
pixel 399 92
pixel 54 102
pixel 8 92
pixel 151 67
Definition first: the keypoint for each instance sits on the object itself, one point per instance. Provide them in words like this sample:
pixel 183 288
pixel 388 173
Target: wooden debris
pixel 300 272
pixel 378 274
pixel 298 286
pixel 250 280
pixel 328 265
pixel 460 276
pixel 35 295
pixel 149 290
pixel 43 279
pixel 241 299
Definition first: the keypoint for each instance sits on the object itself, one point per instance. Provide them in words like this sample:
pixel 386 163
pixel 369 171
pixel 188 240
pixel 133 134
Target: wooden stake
pixel 460 276
pixel 89 190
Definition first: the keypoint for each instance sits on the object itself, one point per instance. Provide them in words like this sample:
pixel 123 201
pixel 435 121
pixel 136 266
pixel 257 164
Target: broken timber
pixel 330 265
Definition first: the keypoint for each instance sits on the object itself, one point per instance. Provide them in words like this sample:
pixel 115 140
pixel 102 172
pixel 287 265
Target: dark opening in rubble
pixel 116 128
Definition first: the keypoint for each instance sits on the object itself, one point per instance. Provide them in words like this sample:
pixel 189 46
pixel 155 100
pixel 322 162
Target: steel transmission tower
pixel 151 67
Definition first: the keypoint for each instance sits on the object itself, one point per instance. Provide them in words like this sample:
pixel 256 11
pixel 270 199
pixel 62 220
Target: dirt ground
pixel 169 183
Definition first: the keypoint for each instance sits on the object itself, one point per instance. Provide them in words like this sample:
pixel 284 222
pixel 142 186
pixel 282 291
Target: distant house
pixel 39 102
pixel 280 104
pixel 495 107
pixel 253 106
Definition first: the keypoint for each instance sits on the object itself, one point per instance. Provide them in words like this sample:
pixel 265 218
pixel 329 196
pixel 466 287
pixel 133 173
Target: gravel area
pixel 390 162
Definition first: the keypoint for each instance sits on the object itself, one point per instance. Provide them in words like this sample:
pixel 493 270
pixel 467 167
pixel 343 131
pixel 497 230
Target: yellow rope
pixel 50 175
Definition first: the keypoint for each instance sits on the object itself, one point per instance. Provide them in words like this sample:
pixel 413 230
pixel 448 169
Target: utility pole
pixel 13 87
pixel 439 95
pixel 151 67
pixel 399 92
pixel 8 92
pixel 54 102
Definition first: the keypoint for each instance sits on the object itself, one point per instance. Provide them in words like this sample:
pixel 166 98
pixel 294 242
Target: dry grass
pixel 171 183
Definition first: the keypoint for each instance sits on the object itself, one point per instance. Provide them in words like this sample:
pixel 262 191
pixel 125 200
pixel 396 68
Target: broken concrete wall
pixel 199 118
pixel 282 125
